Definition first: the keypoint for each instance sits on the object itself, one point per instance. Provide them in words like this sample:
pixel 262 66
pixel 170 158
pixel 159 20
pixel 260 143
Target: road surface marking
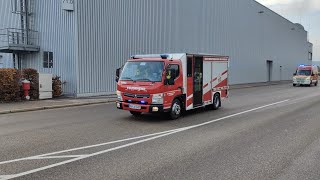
pixel 86 147
pixel 155 136
pixel 56 157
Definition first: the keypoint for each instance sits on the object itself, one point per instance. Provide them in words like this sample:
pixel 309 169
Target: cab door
pixel 173 83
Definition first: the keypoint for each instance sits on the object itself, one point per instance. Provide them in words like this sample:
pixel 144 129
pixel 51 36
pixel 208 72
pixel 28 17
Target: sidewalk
pixel 25 106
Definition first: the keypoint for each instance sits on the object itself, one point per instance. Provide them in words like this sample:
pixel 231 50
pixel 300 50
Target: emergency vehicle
pixel 306 75
pixel 172 83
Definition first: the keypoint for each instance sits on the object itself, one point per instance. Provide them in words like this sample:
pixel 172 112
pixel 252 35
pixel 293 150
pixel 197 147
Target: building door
pixel 269 70
pixel 198 82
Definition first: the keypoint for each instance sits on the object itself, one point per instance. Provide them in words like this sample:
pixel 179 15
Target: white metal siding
pixel 110 31
pixel 7 20
pixel 57 32
pixel 95 39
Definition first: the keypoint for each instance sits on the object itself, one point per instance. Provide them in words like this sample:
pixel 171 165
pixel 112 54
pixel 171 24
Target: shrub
pixel 9 85
pixel 32 76
pixel 56 86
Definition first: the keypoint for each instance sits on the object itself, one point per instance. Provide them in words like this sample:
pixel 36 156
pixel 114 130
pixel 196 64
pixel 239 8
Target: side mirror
pixel 118 72
pixel 294 74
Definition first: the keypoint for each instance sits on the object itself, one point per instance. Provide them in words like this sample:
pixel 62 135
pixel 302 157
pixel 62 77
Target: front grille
pixel 140 96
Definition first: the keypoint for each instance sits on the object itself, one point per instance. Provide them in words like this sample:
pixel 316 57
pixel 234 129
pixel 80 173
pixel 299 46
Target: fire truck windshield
pixel 142 71
pixel 304 73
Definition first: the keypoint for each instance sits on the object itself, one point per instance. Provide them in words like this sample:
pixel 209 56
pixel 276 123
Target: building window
pixel 310 56
pixel 47 59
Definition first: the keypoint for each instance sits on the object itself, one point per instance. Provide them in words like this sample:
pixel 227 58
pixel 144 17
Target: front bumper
pixel 144 108
pixel 302 82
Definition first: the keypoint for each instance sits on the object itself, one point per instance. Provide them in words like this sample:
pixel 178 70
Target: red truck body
pixel 172 83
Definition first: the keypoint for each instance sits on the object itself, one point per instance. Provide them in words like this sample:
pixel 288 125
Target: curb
pixel 55 107
pixel 258 85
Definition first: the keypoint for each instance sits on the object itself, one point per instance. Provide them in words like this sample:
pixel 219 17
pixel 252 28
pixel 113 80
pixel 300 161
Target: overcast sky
pixel 305 12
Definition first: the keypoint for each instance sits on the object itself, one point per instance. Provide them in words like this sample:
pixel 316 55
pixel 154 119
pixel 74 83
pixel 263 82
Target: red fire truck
pixel 172 83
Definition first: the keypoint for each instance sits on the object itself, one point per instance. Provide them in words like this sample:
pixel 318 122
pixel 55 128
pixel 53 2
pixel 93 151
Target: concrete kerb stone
pixel 5 112
pixel 55 107
pixel 258 85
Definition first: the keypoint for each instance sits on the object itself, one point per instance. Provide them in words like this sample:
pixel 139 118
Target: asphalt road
pixel 260 133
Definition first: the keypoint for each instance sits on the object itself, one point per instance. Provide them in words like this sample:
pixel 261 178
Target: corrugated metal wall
pixel 110 31
pixel 7 20
pixel 57 32
pixel 95 39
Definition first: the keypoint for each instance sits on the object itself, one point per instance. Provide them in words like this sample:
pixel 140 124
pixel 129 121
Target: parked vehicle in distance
pixel 172 83
pixel 306 75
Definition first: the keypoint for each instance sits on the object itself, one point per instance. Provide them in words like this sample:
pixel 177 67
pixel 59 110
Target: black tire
pixel 136 114
pixel 216 102
pixel 176 109
pixel 316 84
pixel 294 85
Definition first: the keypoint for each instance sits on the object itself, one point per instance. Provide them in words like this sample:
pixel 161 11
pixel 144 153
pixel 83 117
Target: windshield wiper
pixel 145 79
pixel 127 78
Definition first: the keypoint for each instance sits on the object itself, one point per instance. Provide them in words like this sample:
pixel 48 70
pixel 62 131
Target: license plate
pixel 131 106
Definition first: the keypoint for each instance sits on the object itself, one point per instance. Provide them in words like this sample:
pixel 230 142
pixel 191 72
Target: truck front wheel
pixel 176 109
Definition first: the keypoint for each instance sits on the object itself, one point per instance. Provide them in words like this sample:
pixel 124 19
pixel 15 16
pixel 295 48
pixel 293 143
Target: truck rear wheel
pixel 176 109
pixel 216 101
pixel 136 114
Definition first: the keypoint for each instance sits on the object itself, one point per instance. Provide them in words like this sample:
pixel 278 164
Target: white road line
pixel 7 177
pixel 86 147
pixel 160 135
pixel 56 157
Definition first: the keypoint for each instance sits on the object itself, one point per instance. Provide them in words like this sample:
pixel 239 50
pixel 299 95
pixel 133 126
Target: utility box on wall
pixel 68 5
pixel 45 86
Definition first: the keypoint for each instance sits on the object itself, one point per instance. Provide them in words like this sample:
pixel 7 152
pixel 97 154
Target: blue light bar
pixel 129 100
pixel 143 102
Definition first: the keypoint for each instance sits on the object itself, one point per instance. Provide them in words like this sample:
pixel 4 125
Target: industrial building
pixel 85 41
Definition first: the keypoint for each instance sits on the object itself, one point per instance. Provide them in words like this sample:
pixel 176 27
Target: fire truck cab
pixel 172 83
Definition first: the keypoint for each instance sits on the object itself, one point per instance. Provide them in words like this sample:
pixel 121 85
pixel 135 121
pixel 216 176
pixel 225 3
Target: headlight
pixel 119 96
pixel 157 99
pixel 308 78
